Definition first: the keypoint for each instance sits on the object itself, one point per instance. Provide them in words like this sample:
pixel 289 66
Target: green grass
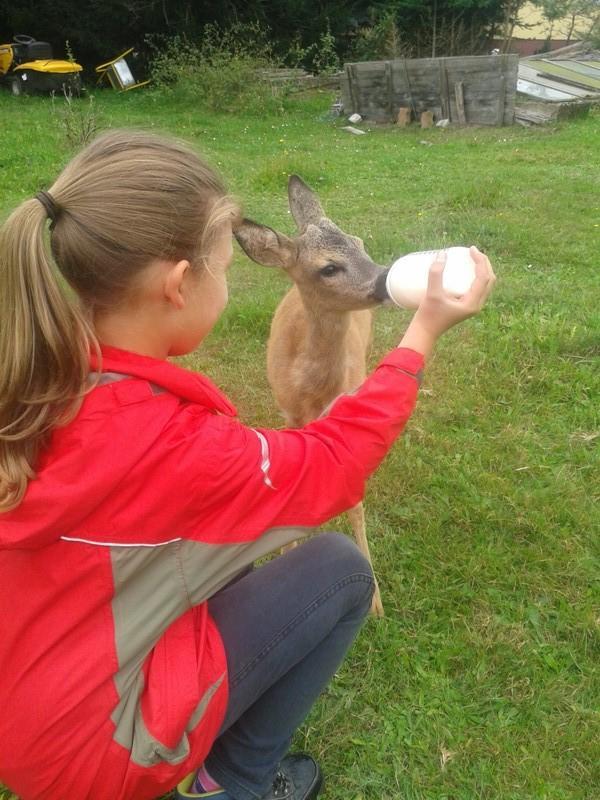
pixel 483 680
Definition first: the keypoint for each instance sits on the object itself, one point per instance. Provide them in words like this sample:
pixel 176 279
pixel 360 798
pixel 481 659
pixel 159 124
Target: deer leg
pixel 356 516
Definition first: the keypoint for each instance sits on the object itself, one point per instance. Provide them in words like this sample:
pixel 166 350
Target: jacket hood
pixel 87 460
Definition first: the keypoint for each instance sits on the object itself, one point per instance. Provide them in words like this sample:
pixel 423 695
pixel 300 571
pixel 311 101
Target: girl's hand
pixel 440 311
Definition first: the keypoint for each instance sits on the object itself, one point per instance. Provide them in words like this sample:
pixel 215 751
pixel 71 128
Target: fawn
pixel 321 330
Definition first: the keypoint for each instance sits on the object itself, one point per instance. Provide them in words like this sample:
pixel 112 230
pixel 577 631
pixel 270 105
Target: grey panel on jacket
pixel 153 587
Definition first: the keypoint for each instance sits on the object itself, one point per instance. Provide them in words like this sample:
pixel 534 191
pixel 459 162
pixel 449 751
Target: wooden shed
pixel 477 90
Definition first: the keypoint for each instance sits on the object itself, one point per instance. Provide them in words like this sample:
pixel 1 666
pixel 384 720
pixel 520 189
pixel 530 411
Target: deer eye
pixel 329 269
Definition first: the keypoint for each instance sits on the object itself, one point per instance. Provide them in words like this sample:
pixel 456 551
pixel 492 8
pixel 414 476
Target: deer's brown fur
pixel 321 330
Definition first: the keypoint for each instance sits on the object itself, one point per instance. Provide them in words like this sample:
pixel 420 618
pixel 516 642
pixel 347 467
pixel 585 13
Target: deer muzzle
pixel 380 293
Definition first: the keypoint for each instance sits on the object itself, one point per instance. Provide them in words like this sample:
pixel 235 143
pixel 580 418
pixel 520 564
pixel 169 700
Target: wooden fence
pixel 477 90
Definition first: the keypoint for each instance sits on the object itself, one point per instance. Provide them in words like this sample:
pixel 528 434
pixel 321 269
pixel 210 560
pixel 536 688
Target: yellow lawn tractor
pixel 27 66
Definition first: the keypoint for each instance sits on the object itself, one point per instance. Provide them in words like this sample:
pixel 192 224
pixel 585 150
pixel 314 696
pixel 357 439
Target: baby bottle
pixel 407 278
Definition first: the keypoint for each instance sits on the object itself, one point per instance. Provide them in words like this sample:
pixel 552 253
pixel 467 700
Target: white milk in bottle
pixel 407 278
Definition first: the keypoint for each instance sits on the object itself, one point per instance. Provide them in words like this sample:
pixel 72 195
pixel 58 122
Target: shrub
pixel 381 39
pixel 221 71
pixel 320 57
pixel 78 119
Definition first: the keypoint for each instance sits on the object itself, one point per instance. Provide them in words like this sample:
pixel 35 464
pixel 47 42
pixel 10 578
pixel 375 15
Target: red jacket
pixel 113 675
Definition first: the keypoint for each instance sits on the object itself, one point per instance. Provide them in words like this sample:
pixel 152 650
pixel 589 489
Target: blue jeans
pixel 286 627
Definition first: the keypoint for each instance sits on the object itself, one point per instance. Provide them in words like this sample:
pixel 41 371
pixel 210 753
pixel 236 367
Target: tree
pixel 554 10
pixel 435 27
pixel 98 29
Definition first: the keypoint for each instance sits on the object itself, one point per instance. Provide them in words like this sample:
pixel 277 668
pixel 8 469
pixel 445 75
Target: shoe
pixel 298 778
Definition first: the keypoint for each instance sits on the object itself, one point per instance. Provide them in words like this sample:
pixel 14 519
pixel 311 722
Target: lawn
pixel 483 679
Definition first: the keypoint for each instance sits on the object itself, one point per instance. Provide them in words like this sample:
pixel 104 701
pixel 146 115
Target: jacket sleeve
pixel 247 481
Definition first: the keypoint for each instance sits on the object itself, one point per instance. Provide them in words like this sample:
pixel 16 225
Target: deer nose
pixel 380 292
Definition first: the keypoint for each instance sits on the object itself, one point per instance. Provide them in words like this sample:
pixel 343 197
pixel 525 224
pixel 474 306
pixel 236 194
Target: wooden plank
pixel 511 75
pixel 460 102
pixel 444 91
pixel 345 90
pixel 374 95
pixel 501 100
pixel 409 88
pixel 421 97
pixel 506 65
pixel 389 88
pixel 353 87
pixel 466 62
pixel 536 117
pixel 479 76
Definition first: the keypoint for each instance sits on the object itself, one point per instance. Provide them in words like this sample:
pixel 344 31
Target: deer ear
pixel 304 203
pixel 263 244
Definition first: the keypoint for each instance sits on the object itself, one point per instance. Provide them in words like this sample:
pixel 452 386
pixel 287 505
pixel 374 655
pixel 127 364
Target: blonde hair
pixel 127 199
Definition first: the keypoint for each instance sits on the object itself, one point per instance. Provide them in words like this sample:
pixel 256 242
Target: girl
pixel 137 647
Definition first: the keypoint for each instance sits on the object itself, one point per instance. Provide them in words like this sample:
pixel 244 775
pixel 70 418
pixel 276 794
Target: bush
pixel 221 71
pixel 78 119
pixel 381 39
pixel 320 57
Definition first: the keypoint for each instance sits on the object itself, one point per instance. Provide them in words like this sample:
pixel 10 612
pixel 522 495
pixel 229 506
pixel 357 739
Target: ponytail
pixel 44 349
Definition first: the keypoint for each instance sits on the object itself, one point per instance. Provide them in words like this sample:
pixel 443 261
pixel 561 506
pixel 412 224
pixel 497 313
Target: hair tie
pixel 49 204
